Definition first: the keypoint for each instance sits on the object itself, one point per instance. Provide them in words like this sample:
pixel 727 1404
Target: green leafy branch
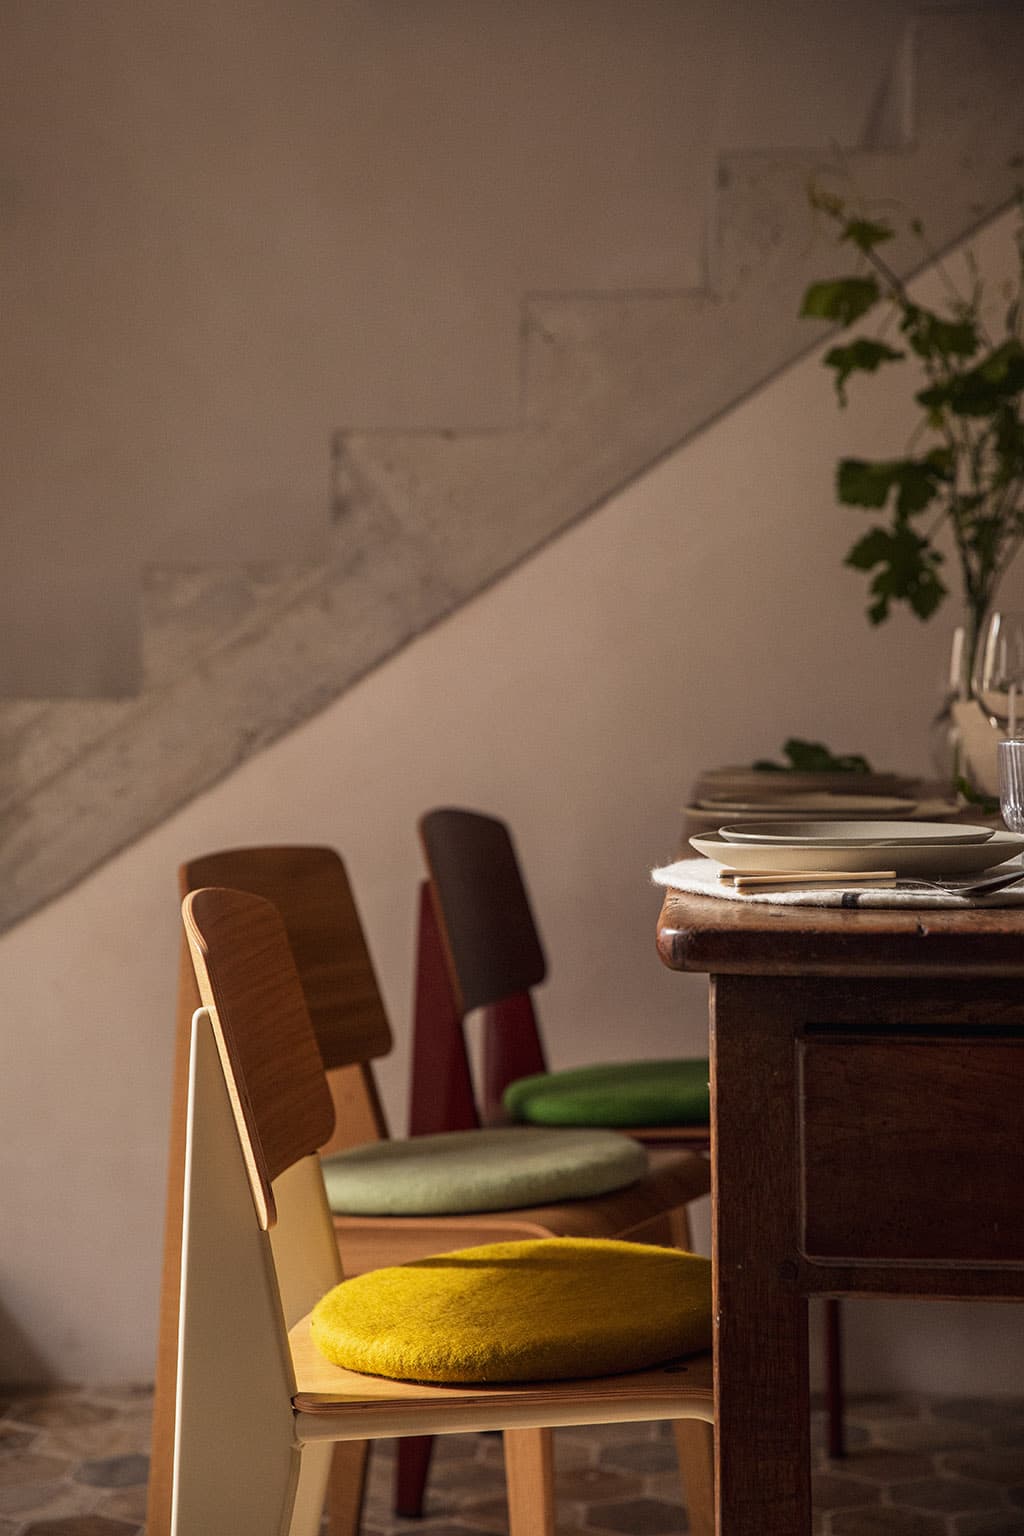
pixel 970 478
pixel 813 757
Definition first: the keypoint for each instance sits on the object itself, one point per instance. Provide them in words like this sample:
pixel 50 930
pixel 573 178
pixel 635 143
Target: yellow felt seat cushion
pixel 545 1310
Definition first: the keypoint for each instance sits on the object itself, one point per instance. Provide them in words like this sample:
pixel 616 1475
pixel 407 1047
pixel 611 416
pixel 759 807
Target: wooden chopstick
pixel 745 880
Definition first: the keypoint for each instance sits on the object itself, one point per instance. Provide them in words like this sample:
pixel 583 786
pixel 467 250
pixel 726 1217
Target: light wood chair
pixel 257 1408
pixel 310 889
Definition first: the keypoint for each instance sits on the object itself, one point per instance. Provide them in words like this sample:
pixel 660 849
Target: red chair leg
pixel 834 1380
pixel 511 1049
pixel 441 1085
pixel 412 1464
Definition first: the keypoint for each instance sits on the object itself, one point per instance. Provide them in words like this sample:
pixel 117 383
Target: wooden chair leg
pixel 695 1442
pixel 345 1487
pixel 530 1481
pixel 695 1448
pixel 834 1379
pixel 412 1465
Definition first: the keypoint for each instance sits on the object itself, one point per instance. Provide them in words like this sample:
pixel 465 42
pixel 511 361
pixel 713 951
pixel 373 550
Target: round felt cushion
pixel 616 1093
pixel 548 1310
pixel 492 1170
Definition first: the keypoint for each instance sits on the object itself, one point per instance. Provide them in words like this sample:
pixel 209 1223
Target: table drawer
pixel 912 1148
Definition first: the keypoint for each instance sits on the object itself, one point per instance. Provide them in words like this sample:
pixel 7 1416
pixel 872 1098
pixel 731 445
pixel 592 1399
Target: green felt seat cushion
pixel 545 1310
pixel 616 1093
pixel 491 1170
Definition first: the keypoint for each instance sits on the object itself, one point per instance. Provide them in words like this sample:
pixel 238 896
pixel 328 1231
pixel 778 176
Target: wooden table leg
pixel 761 1365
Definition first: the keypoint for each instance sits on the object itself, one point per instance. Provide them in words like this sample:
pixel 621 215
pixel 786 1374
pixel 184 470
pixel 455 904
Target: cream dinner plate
pixel 849 834
pixel 910 859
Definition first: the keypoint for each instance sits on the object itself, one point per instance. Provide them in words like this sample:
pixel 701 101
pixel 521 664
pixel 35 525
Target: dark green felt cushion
pixel 616 1093
pixel 492 1170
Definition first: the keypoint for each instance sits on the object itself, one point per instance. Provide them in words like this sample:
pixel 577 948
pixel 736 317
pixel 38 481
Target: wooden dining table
pixel 867 1084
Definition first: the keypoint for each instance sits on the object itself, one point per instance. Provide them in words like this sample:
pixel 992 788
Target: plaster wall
pixel 229 231
pixel 699 618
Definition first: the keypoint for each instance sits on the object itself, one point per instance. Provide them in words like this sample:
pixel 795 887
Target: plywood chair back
pixel 259 1107
pixel 256 1414
pixel 310 888
pixel 478 938
pixel 279 1095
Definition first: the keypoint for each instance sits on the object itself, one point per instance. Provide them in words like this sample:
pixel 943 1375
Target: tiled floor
pixel 73 1463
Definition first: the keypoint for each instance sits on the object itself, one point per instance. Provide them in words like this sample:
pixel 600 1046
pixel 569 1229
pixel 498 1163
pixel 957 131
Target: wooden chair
pixel 478 921
pixel 478 947
pixel 257 1407
pixel 310 888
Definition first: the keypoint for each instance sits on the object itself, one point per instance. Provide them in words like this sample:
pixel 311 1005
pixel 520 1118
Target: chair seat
pixel 546 1310
pixel 616 1093
pixel 490 1170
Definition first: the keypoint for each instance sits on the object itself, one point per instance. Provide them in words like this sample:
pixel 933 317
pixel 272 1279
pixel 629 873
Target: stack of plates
pixel 726 794
pixel 922 848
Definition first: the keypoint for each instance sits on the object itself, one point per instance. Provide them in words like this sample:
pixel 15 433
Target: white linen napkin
pixel 700 876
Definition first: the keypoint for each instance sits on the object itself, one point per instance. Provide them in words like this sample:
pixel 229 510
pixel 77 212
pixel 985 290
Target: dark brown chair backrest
pixel 483 911
pixel 248 981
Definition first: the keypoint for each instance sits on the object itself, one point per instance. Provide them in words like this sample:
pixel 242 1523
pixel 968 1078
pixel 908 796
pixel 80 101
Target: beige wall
pixel 230 230
pixel 699 618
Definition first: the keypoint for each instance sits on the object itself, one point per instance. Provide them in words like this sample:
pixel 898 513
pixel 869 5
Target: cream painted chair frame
pixel 257 1409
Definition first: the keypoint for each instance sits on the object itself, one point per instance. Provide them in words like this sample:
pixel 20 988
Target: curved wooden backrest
pixel 248 982
pixel 310 889
pixel 490 937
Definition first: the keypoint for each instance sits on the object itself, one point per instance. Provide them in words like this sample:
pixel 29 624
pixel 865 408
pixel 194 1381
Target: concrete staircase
pixel 236 655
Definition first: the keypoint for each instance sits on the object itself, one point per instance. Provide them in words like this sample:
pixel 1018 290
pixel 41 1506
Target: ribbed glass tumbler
pixel 1011 783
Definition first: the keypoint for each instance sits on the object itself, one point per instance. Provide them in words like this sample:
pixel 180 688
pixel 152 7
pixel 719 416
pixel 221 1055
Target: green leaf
pixel 865 234
pixel 814 757
pixel 870 550
pixel 988 805
pixel 843 298
pixel 866 483
pixel 906 569
pixel 860 356
pixel 983 389
pixel 931 336
pixel 1008 444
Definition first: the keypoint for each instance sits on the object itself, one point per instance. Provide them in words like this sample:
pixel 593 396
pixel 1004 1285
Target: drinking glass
pixel 998 681
pixel 1010 756
pixel 944 733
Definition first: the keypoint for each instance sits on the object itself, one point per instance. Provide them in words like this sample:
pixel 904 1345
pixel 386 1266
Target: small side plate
pixel 851 834
pixel 924 859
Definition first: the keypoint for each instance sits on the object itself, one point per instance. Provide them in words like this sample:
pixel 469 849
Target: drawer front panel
pixel 912 1149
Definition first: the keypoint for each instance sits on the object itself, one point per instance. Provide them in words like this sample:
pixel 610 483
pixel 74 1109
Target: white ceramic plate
pixel 927 860
pixel 810 804
pixel 853 834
